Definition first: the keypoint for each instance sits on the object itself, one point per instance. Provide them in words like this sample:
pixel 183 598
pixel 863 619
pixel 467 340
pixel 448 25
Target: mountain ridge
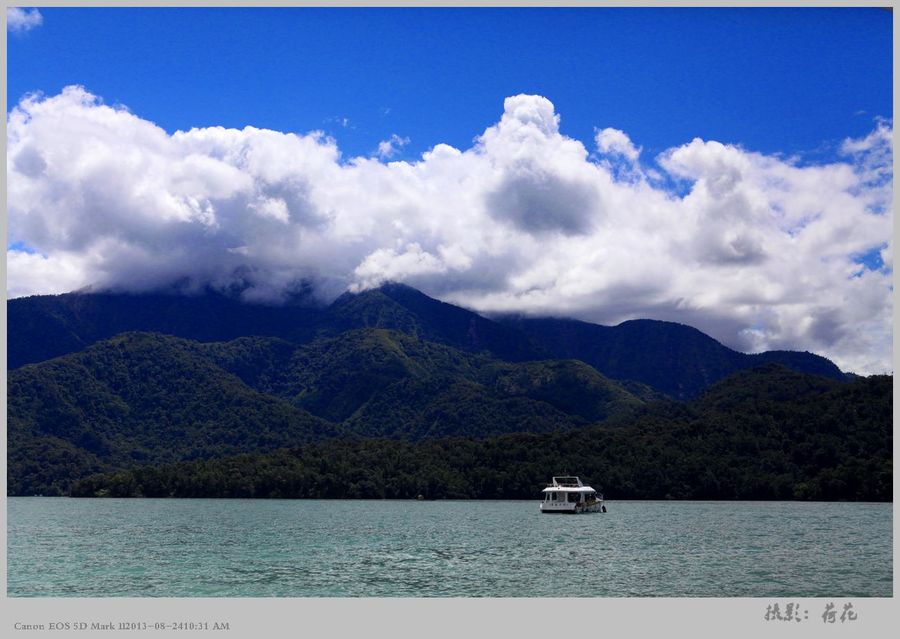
pixel 675 359
pixel 146 398
pixel 396 368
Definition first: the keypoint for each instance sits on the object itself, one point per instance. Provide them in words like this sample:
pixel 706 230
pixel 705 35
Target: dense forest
pixel 143 398
pixel 768 433
pixel 390 394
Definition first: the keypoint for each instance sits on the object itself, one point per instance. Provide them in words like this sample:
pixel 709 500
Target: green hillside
pixel 389 384
pixel 814 440
pixel 137 398
pixel 142 398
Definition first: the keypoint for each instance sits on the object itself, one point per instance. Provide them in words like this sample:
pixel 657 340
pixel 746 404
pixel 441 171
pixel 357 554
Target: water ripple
pixel 247 548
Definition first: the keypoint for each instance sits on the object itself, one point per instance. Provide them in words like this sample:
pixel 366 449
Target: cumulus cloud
pixel 615 142
pixel 756 250
pixel 389 148
pixel 18 20
pixel 384 265
pixel 619 156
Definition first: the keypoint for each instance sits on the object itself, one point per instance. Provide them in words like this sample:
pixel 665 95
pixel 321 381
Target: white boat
pixel 569 495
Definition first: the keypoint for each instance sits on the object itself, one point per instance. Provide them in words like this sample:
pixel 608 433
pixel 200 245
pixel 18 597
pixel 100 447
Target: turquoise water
pixel 60 547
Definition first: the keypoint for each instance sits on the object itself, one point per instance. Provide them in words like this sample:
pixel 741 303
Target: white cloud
pixel 342 121
pixel 615 142
pixel 384 265
pixel 18 20
pixel 49 275
pixel 760 252
pixel 388 148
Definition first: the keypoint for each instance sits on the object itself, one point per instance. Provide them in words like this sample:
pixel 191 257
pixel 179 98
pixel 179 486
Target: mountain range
pixel 764 433
pixel 109 383
pixel 675 359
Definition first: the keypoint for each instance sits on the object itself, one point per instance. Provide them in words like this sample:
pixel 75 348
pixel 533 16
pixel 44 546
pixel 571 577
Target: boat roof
pixel 568 481
pixel 568 484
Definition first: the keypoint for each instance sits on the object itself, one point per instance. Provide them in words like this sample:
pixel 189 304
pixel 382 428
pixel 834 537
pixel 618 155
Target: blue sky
pixel 772 80
pixel 730 169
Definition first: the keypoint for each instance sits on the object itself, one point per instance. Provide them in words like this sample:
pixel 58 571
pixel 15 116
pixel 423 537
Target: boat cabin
pixel 569 495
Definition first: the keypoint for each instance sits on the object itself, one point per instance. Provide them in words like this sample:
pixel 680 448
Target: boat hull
pixel 575 510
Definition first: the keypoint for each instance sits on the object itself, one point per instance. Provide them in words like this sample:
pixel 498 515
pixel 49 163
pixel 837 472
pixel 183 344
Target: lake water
pixel 60 547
